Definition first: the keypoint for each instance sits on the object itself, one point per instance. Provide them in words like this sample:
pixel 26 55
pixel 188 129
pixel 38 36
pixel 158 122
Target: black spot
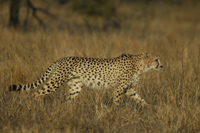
pixel 48 90
pixel 32 86
pixel 42 92
pixel 13 88
pixel 133 94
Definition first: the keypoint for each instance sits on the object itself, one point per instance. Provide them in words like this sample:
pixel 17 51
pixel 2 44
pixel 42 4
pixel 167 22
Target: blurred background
pixel 97 15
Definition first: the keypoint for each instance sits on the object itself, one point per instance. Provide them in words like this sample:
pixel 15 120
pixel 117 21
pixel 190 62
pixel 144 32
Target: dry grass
pixel 172 32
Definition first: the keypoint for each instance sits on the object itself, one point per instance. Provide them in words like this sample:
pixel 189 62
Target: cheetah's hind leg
pixel 75 86
pixel 48 87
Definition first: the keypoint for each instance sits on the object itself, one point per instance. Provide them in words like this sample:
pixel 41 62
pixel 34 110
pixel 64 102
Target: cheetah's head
pixel 152 62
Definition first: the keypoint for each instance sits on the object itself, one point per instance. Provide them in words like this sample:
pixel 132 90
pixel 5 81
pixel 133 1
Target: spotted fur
pixel 121 73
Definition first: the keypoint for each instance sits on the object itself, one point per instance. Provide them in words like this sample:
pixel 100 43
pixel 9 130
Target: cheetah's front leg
pixel 133 95
pixel 118 93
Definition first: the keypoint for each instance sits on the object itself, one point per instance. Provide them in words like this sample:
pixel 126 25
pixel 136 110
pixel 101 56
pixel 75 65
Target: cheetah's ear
pixel 144 54
pixel 148 54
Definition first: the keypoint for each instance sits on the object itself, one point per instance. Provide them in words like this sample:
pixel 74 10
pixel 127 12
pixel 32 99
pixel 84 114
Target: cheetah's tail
pixel 35 85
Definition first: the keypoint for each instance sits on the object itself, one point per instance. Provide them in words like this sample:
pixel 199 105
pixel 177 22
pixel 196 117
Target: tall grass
pixel 172 32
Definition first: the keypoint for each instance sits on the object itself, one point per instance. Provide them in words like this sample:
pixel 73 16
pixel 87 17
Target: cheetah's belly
pixel 98 84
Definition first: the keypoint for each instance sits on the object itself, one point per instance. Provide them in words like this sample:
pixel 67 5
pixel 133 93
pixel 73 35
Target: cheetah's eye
pixel 156 60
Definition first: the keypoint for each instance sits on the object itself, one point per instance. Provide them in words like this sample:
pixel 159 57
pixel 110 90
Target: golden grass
pixel 172 32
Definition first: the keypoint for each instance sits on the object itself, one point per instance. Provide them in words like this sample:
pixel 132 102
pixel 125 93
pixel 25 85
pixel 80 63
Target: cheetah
pixel 121 73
